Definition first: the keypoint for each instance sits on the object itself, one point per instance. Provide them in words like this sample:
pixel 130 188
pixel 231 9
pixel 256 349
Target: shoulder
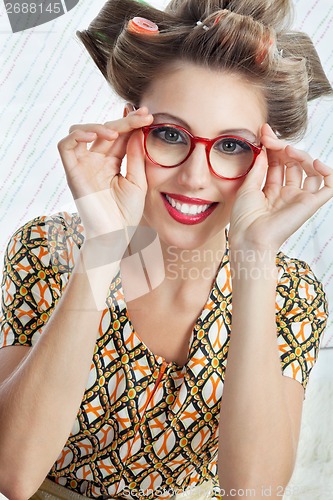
pixel 62 223
pixel 38 263
pixel 301 317
pixel 298 284
pixel 292 265
pixel 46 238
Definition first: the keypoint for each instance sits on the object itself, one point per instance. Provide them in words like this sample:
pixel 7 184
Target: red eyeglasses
pixel 228 156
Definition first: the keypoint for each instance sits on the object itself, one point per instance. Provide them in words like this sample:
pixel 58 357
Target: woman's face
pixel 208 104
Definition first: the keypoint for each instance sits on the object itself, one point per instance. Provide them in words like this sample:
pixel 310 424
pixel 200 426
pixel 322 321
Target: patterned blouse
pixel 146 428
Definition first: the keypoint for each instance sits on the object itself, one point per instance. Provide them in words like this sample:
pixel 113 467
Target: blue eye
pixel 229 145
pixel 170 135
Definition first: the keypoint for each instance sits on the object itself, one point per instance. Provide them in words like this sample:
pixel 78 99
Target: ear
pixel 129 107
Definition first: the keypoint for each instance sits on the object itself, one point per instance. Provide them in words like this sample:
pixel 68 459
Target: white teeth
pixel 171 201
pixel 186 208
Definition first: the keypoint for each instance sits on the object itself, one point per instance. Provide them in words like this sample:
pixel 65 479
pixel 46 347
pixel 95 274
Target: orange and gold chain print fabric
pixel 146 428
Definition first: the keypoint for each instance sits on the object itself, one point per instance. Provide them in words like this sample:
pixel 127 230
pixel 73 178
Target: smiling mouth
pixel 184 212
pixel 187 208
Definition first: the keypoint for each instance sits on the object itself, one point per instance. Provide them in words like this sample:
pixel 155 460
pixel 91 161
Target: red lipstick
pixel 190 201
pixel 188 219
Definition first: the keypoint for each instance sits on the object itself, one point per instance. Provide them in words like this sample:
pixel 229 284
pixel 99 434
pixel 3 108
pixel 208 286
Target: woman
pixel 132 373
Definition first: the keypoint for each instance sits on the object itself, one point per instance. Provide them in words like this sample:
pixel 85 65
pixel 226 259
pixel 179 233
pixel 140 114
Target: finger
pixel 255 178
pixel 276 170
pixel 293 174
pixel 97 128
pixel 136 160
pixel 270 140
pixel 281 154
pixel 119 148
pixel 102 133
pixel 326 192
pixel 275 150
pixel 313 178
pixel 72 146
pixel 312 183
pixel 134 120
pixel 302 157
pixel 276 153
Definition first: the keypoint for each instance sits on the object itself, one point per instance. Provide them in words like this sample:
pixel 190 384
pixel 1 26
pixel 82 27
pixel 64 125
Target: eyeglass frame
pixel 256 149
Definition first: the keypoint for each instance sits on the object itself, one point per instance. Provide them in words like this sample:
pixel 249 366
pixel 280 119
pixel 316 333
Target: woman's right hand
pixel 106 200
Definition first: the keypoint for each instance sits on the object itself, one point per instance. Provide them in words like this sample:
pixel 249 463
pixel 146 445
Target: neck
pixel 174 271
pixel 183 266
pixel 171 265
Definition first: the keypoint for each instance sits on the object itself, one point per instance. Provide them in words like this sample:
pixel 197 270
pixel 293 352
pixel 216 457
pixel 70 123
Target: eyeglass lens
pixel 229 157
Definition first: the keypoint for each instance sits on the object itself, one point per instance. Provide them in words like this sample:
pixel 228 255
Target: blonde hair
pixel 247 37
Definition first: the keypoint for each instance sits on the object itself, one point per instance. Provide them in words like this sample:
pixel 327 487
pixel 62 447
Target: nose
pixel 194 173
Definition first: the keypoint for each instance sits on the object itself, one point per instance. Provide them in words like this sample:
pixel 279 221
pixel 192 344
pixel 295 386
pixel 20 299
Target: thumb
pixel 256 177
pixel 136 160
pixel 266 129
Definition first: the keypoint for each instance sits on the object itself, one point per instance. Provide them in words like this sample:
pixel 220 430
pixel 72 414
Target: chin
pixel 183 242
pixel 185 238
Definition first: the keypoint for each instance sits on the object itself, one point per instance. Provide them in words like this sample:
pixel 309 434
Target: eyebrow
pixel 166 117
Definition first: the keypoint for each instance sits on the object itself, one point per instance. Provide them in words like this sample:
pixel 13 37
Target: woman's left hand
pixel 276 198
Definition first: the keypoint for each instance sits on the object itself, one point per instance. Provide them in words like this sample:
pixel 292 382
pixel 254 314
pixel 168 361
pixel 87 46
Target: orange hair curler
pixel 143 26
